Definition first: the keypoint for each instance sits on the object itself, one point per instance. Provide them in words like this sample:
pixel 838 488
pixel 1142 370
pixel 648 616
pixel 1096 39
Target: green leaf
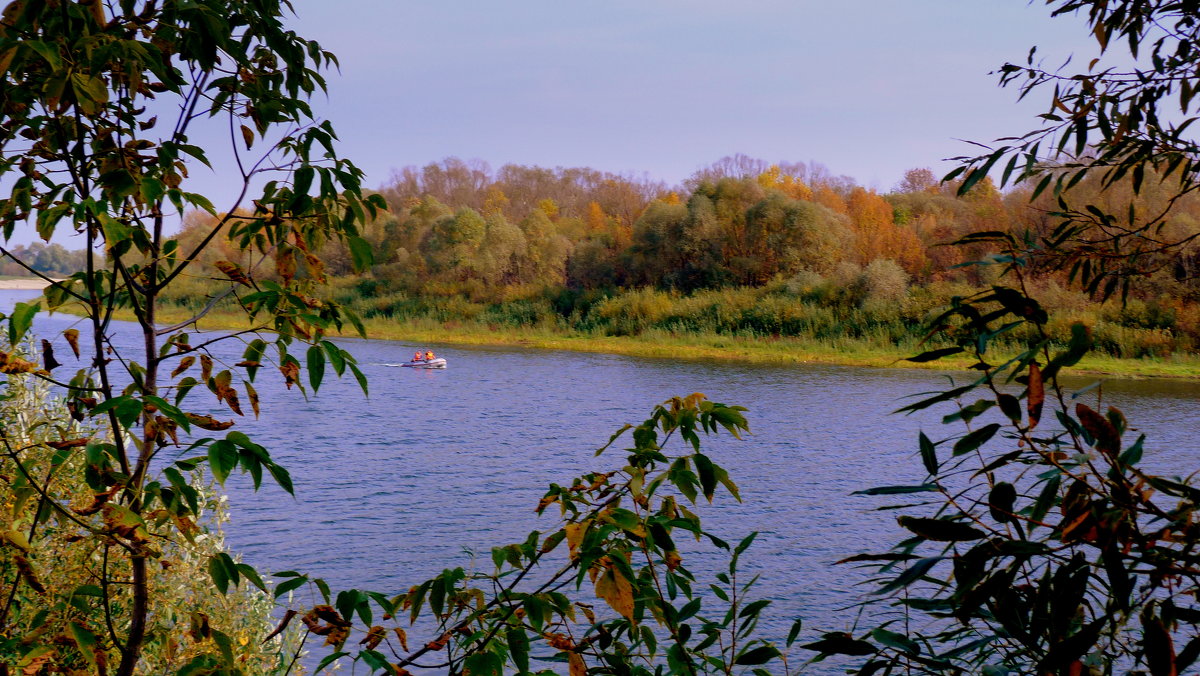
pixel 933 355
pixel 535 611
pixel 374 659
pixel 1001 500
pixel 282 477
pixel 483 664
pixel 1010 406
pixel 250 574
pixel 289 585
pixel 794 631
pixel 928 454
pixel 303 180
pixel 86 642
pixel 518 648
pixel 358 375
pixel 20 320
pixel 707 474
pixel 840 643
pixel 360 253
pixel 898 641
pixel 909 576
pixel 976 438
pixel 222 458
pixel 219 575
pixel 897 490
pixel 225 645
pixel 759 655
pixel 940 530
pixel 330 659
pixel 316 366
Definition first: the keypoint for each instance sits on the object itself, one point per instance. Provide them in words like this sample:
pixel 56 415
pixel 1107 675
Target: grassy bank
pixel 663 344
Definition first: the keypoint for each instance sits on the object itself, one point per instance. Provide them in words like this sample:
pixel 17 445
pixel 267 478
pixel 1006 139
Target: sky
pixel 868 88
pixel 662 88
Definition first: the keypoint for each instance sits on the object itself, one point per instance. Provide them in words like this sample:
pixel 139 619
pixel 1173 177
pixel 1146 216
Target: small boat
pixel 439 363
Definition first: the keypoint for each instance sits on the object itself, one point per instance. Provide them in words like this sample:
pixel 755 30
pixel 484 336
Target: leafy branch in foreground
pixel 98 103
pixel 618 600
pixel 1032 549
pixel 1038 543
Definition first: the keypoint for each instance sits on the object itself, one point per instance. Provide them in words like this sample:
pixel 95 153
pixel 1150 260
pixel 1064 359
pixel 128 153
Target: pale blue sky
pixel 868 88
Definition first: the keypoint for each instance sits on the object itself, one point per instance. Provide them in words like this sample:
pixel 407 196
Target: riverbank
pixel 22 284
pixel 698 347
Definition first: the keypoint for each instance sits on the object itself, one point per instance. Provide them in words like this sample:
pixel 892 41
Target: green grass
pixel 663 344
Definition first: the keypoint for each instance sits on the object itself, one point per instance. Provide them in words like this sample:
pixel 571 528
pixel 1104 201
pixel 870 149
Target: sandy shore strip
pixel 25 283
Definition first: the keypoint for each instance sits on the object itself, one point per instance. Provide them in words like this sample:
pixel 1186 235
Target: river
pixel 394 487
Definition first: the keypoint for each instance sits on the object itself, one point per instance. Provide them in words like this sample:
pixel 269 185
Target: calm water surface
pixel 394 487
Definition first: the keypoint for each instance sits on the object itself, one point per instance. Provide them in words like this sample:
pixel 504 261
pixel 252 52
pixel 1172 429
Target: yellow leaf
pixel 184 364
pixel 672 559
pixel 576 664
pixel 616 591
pixel 248 136
pixel 72 336
pixel 17 538
pixel 575 533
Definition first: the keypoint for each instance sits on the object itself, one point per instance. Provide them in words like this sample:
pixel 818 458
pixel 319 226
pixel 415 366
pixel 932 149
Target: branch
pixel 207 308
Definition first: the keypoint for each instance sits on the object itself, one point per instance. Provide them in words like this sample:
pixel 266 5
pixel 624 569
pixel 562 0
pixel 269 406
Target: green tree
pixel 97 109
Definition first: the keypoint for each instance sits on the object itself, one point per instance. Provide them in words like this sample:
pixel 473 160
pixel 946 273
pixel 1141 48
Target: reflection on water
pixel 394 487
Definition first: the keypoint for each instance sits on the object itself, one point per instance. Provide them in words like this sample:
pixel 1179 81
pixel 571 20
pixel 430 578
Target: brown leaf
pixel 402 636
pixel 98 501
pixel 26 571
pixel 1036 396
pixel 287 619
pixel 248 136
pixel 576 665
pixel 252 395
pixel 199 628
pixel 248 362
pixel 72 336
pixel 206 367
pixel 36 661
pixel 374 637
pixel 48 360
pixel 167 428
pixel 439 643
pixel 316 268
pixel 1108 440
pixel 285 264
pixel 587 611
pixel 337 636
pixel 184 364
pixel 207 422
pixel 290 371
pixel 124 522
pixel 68 443
pixel 11 364
pixel 234 272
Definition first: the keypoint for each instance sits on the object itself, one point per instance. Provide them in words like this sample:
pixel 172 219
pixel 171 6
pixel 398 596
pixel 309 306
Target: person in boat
pixel 429 355
pixel 418 356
